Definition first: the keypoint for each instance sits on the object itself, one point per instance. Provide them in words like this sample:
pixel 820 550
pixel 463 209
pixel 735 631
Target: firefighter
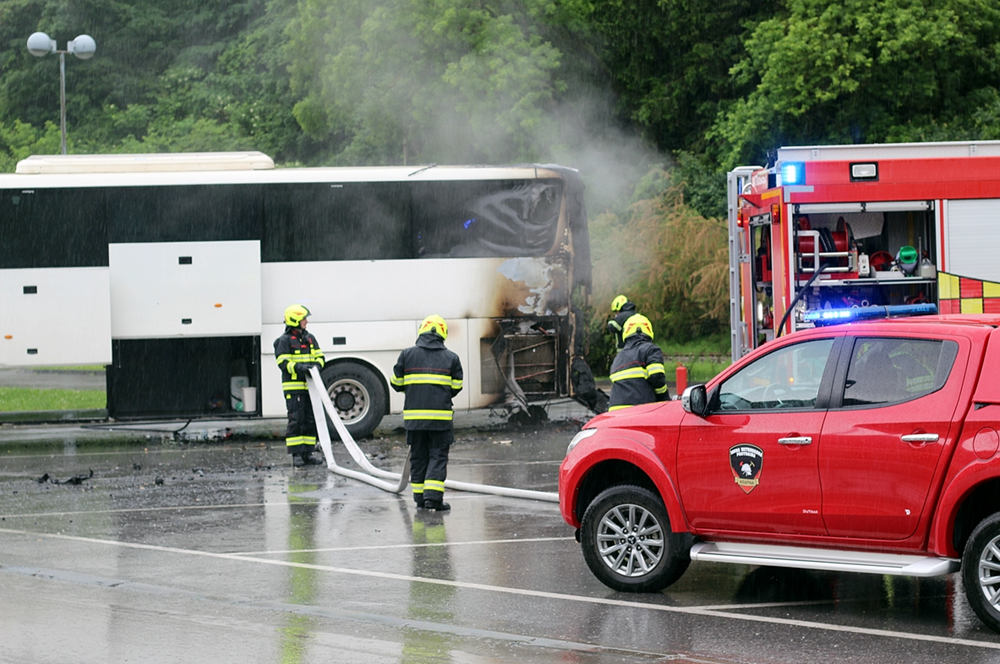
pixel 430 375
pixel 621 311
pixel 296 351
pixel 637 374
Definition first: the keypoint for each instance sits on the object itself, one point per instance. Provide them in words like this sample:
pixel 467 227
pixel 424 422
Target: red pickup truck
pixel 867 447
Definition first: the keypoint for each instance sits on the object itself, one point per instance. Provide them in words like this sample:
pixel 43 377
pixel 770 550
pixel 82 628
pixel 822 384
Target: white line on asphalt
pixel 713 612
pixel 126 510
pixel 404 546
pixel 146 451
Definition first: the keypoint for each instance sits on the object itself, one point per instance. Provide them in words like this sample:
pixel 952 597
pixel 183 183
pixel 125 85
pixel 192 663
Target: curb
pixel 52 416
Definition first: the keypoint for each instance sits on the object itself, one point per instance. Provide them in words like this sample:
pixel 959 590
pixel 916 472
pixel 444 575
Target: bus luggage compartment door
pixel 55 316
pixel 161 290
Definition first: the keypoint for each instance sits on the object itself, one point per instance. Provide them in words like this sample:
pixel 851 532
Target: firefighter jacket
pixel 617 324
pixel 637 374
pixel 293 349
pixel 430 375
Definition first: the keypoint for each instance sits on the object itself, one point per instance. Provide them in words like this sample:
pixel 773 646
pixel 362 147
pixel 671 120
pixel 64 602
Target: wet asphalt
pixel 214 549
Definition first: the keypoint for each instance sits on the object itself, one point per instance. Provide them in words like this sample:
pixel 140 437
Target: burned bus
pixel 173 271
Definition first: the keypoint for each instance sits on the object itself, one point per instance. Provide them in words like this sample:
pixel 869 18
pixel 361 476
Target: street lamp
pixel 83 47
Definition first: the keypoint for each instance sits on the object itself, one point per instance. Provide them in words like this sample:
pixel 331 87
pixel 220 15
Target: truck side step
pixel 823 559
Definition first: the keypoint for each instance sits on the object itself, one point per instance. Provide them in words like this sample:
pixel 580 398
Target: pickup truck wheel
pixel 981 571
pixel 627 541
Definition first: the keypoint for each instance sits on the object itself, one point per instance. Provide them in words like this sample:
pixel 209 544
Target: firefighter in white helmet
pixel 296 351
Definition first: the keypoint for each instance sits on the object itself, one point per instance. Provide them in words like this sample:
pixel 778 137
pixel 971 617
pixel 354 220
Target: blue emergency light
pixel 793 172
pixel 821 317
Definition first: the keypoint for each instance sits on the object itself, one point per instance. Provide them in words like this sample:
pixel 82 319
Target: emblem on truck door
pixel 746 462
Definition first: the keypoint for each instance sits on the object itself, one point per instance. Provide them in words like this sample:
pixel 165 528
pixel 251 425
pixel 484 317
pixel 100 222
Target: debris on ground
pixel 76 479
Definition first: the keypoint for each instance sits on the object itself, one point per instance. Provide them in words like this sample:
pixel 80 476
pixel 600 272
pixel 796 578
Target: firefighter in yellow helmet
pixel 621 311
pixel 296 351
pixel 637 374
pixel 429 375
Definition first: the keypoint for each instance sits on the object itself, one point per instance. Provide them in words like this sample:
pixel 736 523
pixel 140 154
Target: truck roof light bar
pixel 821 317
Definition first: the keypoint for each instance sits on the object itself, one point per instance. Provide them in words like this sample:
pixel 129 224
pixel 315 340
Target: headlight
pixel 586 433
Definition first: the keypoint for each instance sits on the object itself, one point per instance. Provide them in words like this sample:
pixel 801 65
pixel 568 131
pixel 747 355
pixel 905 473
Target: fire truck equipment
pixel 906 259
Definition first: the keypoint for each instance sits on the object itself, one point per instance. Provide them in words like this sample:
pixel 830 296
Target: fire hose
pixel 384 479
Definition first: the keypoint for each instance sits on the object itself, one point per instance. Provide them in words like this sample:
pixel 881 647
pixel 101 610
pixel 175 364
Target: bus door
pixel 55 316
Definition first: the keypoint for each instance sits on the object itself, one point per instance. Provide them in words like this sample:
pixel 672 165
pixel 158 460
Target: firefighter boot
pixel 436 505
pixel 309 460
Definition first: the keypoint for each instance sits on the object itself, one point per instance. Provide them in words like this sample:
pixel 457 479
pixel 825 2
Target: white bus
pixel 174 271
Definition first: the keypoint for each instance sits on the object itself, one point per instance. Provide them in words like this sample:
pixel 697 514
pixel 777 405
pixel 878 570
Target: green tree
pixel 670 60
pixel 431 80
pixel 166 77
pixel 872 71
pixel 669 259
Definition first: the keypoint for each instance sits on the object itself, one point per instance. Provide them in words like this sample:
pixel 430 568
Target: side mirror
pixel 695 400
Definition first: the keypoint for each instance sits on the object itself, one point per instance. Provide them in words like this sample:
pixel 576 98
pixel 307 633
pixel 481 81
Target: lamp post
pixel 83 47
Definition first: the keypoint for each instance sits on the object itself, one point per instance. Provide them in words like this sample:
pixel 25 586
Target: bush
pixel 668 259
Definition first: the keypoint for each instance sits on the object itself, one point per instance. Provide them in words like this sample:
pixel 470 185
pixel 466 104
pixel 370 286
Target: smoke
pixel 610 157
pixel 451 83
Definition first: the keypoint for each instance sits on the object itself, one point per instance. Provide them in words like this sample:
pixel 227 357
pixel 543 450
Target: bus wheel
pixel 358 396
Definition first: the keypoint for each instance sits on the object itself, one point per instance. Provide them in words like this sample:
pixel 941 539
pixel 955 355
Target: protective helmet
pixel 434 323
pixel 637 323
pixel 294 315
pixel 618 303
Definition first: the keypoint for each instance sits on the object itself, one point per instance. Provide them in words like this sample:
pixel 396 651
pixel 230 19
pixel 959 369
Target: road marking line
pixel 332 612
pixel 277 447
pixel 405 546
pixel 694 611
pixel 126 510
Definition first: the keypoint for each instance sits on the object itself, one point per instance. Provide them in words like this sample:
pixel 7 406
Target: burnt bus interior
pixel 856 251
pixel 189 377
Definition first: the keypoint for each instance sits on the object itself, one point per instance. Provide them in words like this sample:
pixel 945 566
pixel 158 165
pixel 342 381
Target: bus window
pixel 52 228
pixel 482 219
pixel 339 221
pixel 182 213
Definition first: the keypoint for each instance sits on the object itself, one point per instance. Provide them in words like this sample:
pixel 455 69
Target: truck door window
pixel 885 370
pixel 789 377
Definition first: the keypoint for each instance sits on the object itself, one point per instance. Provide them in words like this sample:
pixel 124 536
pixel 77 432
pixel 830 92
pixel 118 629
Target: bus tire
pixel 357 394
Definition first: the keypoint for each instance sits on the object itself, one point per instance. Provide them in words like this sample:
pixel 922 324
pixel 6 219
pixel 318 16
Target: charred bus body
pixel 174 271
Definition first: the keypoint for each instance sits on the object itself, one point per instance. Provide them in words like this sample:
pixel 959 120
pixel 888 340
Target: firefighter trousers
pixel 300 436
pixel 428 463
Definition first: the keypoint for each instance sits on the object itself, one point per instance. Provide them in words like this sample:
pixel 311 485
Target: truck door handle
pixel 796 440
pixel 920 438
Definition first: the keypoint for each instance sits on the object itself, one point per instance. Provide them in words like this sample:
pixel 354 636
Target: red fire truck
pixel 843 226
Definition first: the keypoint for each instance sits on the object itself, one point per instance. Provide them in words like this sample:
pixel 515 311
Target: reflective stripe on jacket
pixel 430 375
pixel 637 374
pixel 292 348
pixel 617 324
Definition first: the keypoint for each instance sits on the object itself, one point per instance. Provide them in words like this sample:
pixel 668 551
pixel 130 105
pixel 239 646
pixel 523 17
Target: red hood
pixel 660 414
